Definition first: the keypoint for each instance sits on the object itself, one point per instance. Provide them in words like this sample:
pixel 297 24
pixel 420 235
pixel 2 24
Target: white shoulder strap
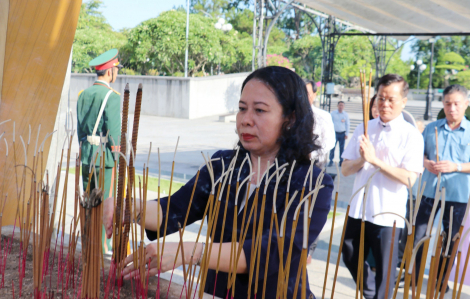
pixel 103 105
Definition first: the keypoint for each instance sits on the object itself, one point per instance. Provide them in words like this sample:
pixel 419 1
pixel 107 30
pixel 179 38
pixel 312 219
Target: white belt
pixel 93 139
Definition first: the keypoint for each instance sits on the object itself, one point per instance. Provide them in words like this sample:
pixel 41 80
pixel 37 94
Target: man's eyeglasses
pixel 390 101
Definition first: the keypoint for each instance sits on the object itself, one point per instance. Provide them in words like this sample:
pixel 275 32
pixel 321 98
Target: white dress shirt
pixel 325 130
pixel 397 143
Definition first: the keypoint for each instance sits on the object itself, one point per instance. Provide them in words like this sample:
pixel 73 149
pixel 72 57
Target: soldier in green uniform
pixel 99 113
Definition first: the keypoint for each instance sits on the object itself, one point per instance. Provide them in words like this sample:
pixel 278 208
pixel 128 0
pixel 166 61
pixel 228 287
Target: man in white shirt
pixel 323 127
pixel 396 147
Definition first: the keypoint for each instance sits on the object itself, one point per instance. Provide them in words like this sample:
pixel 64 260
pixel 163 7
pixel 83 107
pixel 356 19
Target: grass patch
pixel 71 169
pixel 164 185
pixel 152 185
pixel 330 215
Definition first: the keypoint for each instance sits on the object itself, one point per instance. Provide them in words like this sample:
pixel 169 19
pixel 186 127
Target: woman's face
pixel 375 110
pixel 259 119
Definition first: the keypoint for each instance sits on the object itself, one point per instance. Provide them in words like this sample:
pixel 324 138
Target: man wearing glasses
pixel 396 147
pixel 99 119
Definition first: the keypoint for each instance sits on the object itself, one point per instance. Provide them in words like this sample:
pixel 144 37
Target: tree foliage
pixel 93 36
pixel 161 42
pixel 306 55
pixel 157 46
pixel 446 50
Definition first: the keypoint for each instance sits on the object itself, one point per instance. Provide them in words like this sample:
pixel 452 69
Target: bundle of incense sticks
pixel 118 252
pixel 365 93
pixel 91 223
pixel 34 214
pixel 131 178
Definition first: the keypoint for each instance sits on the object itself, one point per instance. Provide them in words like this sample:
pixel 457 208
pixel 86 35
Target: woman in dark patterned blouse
pixel 274 122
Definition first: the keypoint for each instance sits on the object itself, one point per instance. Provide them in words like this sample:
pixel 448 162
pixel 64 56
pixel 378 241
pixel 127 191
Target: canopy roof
pixel 400 16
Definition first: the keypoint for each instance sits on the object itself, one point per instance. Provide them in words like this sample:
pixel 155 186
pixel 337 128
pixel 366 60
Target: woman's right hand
pixel 108 212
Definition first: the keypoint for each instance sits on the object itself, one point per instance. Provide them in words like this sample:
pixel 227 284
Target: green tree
pixel 422 49
pixel 396 65
pixel 463 78
pixel 93 36
pixel 352 53
pixel 242 21
pixel 160 43
pixel 212 8
pixel 452 63
pixel 306 54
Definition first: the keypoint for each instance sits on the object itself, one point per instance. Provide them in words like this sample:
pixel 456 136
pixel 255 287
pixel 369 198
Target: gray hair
pixel 456 88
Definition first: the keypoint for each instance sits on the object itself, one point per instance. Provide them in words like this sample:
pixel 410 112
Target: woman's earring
pixel 288 128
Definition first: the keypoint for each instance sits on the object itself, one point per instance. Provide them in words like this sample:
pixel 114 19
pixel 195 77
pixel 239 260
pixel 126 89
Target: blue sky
pixel 127 14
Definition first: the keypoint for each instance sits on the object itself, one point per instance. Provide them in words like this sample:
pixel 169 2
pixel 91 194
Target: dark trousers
pixel 340 137
pixel 378 239
pixel 422 219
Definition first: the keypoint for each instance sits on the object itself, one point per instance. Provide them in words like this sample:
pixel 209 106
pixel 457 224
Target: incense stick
pixel 360 270
pixel 234 160
pixel 437 145
pixel 456 241
pixel 332 230
pixel 465 265
pixel 234 235
pixel 304 245
pixel 261 220
pixel 365 98
pixel 273 213
pixel 436 247
pixel 169 198
pixel 445 255
pixel 435 266
pixel 389 270
pixel 344 231
pixel 281 245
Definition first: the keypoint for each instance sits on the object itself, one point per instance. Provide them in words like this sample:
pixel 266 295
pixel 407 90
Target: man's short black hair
pixel 340 102
pixel 394 78
pixel 314 86
pixel 101 73
pixel 456 88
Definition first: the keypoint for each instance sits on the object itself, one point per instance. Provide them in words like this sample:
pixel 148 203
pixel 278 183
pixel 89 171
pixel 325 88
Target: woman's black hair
pixel 372 105
pixel 314 85
pixel 297 140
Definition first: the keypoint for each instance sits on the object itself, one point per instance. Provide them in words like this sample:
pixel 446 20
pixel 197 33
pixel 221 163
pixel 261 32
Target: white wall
pixel 174 96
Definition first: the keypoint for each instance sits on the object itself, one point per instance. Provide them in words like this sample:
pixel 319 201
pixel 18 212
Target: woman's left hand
pixel 167 259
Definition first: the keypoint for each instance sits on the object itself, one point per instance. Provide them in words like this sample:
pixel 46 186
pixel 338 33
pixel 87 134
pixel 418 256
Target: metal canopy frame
pixel 379 45
pixel 331 38
pixel 430 34
pixel 329 33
